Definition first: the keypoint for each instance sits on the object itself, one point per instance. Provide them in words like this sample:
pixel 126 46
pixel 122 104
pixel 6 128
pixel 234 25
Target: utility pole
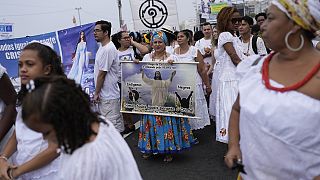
pixel 78 9
pixel 120 13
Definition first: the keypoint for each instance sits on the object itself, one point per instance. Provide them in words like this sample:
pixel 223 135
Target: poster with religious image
pixel 158 88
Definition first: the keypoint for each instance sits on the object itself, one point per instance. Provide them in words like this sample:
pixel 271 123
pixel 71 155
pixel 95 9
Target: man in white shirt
pixel 250 44
pixel 204 44
pixel 106 73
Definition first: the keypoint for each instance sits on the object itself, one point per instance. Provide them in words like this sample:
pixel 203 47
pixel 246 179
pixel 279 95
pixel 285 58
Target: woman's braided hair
pixel 61 103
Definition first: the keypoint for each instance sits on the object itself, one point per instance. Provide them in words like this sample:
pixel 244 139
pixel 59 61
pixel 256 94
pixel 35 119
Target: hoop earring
pixel 288 45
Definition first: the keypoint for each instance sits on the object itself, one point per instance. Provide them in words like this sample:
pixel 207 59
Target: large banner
pixel 158 88
pixel 10 50
pixel 153 14
pixel 76 46
pixel 78 52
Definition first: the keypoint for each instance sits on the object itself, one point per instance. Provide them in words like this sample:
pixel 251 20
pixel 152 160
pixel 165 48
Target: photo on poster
pixel 158 88
pixel 78 53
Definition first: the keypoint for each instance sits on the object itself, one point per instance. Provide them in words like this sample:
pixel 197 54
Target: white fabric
pixel 148 57
pixel 247 47
pixel 107 60
pixel 214 84
pixel 2 105
pixel 127 55
pixel 201 44
pixel 107 157
pixel 315 42
pixel 227 85
pixel 31 143
pixel 279 131
pixel 200 103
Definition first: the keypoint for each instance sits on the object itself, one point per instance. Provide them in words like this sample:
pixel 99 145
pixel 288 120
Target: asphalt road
pixel 203 161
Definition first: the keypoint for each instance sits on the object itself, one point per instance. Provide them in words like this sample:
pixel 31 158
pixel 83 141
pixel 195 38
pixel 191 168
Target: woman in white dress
pixel 8 111
pixel 228 54
pixel 34 157
pixel 80 60
pixel 187 53
pixel 274 124
pixel 91 147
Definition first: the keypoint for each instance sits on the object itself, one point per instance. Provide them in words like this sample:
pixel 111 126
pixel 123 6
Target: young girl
pixel 35 158
pixel 187 53
pixel 94 149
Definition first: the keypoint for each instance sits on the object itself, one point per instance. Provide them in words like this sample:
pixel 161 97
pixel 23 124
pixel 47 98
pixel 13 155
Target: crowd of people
pixel 259 83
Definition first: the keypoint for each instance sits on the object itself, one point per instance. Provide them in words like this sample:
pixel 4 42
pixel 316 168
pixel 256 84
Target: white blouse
pixel 279 132
pixel 107 157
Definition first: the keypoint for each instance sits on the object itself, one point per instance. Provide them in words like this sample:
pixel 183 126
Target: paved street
pixel 203 161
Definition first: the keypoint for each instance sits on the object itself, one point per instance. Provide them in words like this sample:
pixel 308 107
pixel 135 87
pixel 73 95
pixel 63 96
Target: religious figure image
pixel 159 92
pixel 80 60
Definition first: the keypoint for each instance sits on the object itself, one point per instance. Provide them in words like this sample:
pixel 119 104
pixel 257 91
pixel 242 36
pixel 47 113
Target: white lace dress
pixel 214 85
pixel 279 132
pixel 227 85
pixel 107 157
pixel 201 108
pixel 31 143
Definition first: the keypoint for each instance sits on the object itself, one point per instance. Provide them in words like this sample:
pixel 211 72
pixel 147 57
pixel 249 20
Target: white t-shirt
pixel 201 44
pixel 107 60
pixel 107 157
pixel 127 55
pixel 247 47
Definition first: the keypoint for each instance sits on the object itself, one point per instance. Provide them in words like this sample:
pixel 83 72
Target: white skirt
pixel 226 96
pixel 201 110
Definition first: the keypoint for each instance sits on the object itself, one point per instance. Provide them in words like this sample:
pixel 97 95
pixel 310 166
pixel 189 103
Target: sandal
pixel 168 158
pixel 146 156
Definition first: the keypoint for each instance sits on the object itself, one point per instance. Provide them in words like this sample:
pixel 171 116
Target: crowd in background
pixel 257 80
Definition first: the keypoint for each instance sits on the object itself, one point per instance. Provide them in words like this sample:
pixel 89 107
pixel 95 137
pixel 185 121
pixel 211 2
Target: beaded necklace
pixel 266 80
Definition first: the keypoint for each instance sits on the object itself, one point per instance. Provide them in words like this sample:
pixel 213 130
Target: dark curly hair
pixel 223 18
pixel 48 57
pixel 60 102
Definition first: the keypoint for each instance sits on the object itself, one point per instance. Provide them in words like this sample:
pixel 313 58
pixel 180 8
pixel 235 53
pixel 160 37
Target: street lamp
pixel 78 9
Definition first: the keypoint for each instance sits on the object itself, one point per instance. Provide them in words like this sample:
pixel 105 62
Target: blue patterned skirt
pixel 164 134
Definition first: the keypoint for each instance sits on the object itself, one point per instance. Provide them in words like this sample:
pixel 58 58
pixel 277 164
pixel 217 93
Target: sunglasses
pixel 235 20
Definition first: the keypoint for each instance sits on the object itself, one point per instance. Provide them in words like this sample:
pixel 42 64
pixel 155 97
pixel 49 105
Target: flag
pixel 153 14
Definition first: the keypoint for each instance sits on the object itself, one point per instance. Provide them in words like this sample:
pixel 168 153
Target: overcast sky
pixel 34 17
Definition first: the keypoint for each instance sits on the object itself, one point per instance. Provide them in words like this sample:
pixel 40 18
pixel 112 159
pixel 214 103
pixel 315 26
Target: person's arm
pixel 232 53
pixel 234 152
pixel 146 79
pixel 203 73
pixel 7 152
pixel 190 95
pixel 8 96
pixel 100 80
pixel 178 96
pixel 40 160
pixel 143 49
pixel 172 75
